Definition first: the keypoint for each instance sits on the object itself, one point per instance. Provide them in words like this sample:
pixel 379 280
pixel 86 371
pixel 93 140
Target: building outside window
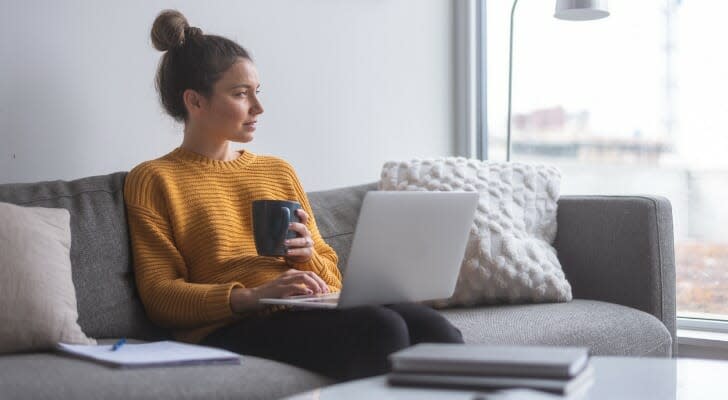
pixel 631 104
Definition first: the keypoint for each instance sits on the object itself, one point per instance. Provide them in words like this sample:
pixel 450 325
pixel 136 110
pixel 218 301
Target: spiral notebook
pixel 154 354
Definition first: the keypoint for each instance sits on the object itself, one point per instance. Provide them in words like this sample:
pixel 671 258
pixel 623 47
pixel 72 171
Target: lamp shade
pixel 581 10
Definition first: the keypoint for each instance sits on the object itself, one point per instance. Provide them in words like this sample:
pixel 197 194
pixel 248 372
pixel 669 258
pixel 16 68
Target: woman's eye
pixel 245 94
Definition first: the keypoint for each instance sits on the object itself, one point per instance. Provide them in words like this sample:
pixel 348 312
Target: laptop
pixel 407 247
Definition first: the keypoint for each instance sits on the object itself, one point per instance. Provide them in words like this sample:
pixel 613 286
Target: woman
pixel 189 214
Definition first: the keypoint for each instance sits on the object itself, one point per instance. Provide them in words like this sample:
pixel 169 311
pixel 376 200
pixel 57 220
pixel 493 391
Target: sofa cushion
pixel 51 376
pixel 336 212
pixel 509 257
pixel 108 305
pixel 606 328
pixel 37 298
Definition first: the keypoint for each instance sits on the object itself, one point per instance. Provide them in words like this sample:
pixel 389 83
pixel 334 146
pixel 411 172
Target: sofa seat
pixel 53 376
pixel 607 328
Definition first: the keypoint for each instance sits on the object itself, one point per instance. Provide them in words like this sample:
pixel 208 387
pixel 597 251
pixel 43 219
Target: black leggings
pixel 342 344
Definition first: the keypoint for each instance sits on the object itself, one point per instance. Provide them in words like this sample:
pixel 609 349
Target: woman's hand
pixel 290 283
pixel 300 249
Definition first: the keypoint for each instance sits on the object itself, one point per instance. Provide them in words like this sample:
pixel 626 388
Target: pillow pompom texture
pixel 509 257
pixel 37 297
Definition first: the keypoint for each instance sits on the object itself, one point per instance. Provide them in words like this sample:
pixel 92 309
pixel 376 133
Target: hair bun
pixel 170 29
pixel 191 31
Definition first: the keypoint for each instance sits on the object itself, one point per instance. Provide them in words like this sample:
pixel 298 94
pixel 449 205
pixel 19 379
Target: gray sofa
pixel 617 253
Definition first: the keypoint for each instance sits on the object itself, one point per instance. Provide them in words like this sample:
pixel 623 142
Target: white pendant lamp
pixel 581 10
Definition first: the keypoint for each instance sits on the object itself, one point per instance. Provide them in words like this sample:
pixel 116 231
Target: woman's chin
pixel 243 137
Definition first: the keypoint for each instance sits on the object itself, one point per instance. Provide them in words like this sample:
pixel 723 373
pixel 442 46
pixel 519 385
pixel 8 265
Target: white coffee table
pixel 615 378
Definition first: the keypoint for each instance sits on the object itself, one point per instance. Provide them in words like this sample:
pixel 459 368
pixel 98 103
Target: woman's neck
pixel 213 149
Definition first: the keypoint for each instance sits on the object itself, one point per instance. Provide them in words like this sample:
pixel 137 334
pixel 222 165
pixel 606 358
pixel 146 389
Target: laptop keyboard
pixel 330 298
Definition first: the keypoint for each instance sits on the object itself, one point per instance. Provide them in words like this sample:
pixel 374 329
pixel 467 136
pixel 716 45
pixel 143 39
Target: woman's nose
pixel 257 107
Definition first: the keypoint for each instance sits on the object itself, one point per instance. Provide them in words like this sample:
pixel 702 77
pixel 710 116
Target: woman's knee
pixel 372 334
pixel 427 325
pixel 382 328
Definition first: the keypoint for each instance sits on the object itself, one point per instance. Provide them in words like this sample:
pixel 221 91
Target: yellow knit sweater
pixel 192 235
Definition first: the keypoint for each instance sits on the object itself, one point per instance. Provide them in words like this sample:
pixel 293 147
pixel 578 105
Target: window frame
pixel 470 73
pixel 703 324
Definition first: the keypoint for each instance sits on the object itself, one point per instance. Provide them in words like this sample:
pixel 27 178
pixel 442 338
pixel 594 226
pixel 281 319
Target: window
pixel 630 104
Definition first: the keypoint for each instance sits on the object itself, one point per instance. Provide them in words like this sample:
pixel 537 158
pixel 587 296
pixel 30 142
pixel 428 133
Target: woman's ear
pixel 194 101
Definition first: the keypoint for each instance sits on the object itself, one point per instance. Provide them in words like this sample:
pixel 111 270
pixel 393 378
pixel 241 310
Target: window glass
pixel 631 104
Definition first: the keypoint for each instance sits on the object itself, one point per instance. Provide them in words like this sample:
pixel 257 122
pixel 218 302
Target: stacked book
pixel 561 370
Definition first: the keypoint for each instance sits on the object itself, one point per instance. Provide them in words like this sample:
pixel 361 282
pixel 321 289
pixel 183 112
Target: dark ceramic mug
pixel 270 225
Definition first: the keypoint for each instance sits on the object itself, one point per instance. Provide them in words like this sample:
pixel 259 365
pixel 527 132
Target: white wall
pixel 347 84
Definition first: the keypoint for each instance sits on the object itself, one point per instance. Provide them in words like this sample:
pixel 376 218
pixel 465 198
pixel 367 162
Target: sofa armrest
pixel 619 249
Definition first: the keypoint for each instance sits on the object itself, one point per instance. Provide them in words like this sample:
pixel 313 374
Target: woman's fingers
pixel 323 287
pixel 294 290
pixel 300 255
pixel 300 229
pixel 307 278
pixel 293 282
pixel 301 242
pixel 302 215
pixel 312 281
pixel 300 249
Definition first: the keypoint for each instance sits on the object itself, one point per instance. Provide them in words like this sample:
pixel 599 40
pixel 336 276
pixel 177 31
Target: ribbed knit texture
pixel 190 221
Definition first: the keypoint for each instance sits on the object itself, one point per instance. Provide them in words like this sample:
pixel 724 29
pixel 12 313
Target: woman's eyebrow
pixel 245 85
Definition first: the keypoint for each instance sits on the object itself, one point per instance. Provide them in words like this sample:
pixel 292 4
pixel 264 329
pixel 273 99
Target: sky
pixel 616 67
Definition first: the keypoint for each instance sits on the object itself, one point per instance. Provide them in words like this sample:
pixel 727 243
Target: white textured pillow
pixel 509 257
pixel 37 297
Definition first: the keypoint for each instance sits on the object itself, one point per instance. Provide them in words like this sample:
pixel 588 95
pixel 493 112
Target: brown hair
pixel 192 60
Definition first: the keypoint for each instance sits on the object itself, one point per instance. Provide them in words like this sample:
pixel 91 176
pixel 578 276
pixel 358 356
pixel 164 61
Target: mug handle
pixel 286 220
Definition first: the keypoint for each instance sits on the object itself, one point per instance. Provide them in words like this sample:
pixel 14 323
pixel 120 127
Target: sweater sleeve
pixel 324 261
pixel 160 272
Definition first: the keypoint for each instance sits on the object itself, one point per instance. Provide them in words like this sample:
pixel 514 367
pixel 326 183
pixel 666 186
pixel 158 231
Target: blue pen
pixel 118 344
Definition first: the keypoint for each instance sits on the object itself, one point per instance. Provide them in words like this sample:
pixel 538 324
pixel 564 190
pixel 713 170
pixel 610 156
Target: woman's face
pixel 232 111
